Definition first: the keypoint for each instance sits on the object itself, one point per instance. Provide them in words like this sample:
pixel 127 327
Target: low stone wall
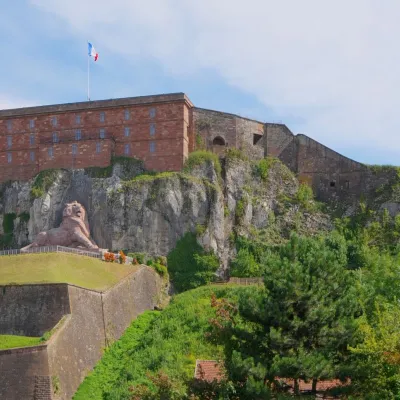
pixel 31 310
pixel 95 320
pixel 24 374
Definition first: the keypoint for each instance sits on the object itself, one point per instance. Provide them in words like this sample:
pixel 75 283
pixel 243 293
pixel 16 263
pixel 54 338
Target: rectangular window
pixel 127 115
pixel 152 129
pixel 54 121
pixel 55 137
pixel 9 157
pixel 9 124
pixel 77 119
pixel 32 156
pixel 102 133
pixel 78 134
pixel 74 149
pixel 152 112
pixel 127 131
pixel 31 123
pixel 127 149
pixel 32 140
pixel 102 116
pixel 98 147
pixel 50 152
pixel 152 147
pixel 9 141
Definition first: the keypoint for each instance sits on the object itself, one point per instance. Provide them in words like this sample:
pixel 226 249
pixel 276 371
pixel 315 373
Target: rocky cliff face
pixel 149 213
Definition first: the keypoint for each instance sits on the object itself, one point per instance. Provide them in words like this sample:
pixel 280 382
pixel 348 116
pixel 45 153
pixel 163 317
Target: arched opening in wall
pixel 332 184
pixel 218 145
pixel 218 141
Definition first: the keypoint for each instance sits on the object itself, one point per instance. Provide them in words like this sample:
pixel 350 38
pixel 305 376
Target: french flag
pixel 92 52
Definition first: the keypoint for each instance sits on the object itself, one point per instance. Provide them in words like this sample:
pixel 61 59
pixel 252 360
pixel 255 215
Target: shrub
pixel 200 144
pixel 109 257
pixel 160 269
pixel 240 210
pixel 189 265
pixel 263 166
pixel 200 157
pixel 235 154
pixel 8 223
pixel 43 182
pixel 162 260
pixel 245 265
pixel 130 166
pixel 305 196
pixel 121 257
pixel 200 229
pixel 24 216
pixel 140 257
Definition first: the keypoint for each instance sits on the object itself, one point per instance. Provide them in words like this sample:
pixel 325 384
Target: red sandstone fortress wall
pixel 162 130
pixel 155 129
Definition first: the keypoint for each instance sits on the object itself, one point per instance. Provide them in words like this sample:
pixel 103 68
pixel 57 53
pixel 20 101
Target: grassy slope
pixel 10 341
pixel 83 271
pixel 170 341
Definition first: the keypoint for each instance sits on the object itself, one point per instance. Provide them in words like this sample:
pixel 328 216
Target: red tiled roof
pixel 321 385
pixel 208 370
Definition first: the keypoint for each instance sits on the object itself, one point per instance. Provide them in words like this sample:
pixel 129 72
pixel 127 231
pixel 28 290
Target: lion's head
pixel 74 209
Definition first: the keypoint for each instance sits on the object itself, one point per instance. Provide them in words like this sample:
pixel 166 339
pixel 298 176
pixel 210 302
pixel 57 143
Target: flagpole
pixel 88 76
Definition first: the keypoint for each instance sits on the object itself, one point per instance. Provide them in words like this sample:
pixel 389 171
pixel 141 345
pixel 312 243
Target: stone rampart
pixel 219 130
pixel 21 371
pixel 31 310
pixel 95 319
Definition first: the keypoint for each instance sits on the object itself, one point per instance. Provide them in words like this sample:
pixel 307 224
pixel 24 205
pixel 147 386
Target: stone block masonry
pixel 155 129
pixel 94 320
pixel 162 130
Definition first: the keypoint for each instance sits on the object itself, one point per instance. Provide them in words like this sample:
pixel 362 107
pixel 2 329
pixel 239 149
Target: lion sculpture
pixel 73 231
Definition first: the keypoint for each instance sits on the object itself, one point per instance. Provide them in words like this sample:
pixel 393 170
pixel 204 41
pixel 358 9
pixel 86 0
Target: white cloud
pixel 7 102
pixel 335 64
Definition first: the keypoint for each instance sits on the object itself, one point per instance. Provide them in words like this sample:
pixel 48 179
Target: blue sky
pixel 326 70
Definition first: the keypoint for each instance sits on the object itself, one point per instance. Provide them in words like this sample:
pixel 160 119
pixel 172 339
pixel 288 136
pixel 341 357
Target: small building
pixel 208 370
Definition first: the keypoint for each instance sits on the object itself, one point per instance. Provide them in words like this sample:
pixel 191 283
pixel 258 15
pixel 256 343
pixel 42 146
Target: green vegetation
pixel 43 181
pixel 156 345
pixel 116 359
pixel 130 167
pixel 263 166
pixel 82 271
pixel 305 197
pixel 200 145
pixel 384 168
pixel 245 265
pixel 232 154
pixel 8 227
pixel 328 310
pixel 200 229
pixel 189 265
pixel 8 222
pixel 200 157
pixel 24 216
pixel 11 341
pixel 240 210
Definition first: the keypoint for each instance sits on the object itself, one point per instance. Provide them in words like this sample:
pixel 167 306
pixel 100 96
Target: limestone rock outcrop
pixel 149 213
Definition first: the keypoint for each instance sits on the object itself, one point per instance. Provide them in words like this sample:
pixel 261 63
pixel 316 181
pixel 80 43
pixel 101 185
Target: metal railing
pixel 51 249
pixel 62 249
pixel 246 281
